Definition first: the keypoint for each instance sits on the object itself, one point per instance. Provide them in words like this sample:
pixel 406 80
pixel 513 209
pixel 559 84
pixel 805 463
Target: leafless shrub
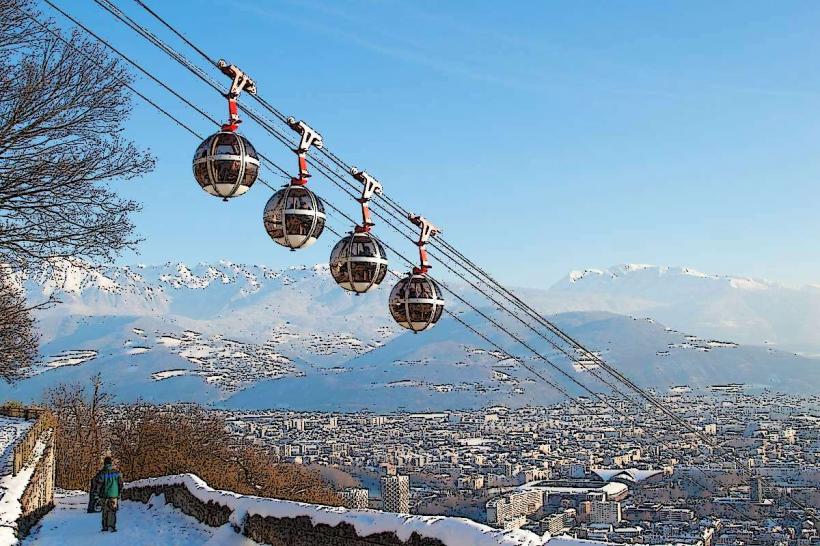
pixel 147 443
pixel 82 436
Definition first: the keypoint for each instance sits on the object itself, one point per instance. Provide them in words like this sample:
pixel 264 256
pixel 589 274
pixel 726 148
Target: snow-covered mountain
pixel 258 337
pixel 740 309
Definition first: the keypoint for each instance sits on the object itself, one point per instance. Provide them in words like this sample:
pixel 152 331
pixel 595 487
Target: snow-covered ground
pixel 450 531
pixel 159 524
pixel 154 524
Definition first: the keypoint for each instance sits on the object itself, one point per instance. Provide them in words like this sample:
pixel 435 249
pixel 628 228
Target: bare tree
pixel 82 434
pixel 18 338
pixel 62 109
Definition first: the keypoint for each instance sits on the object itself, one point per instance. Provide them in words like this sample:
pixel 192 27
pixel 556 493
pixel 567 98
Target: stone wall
pixel 299 531
pixel 38 497
pixel 281 522
pixel 209 513
pixel 25 446
pixel 30 482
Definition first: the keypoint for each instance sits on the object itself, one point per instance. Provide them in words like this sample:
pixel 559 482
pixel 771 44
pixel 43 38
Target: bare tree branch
pixel 18 338
pixel 62 110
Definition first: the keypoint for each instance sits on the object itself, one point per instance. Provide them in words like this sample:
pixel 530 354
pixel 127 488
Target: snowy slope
pixel 155 524
pixel 226 324
pixel 256 337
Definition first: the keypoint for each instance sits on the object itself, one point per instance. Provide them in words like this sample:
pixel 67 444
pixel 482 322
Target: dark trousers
pixel 109 513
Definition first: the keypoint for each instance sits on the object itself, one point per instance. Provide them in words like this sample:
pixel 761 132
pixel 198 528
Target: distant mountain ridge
pixel 741 309
pixel 253 337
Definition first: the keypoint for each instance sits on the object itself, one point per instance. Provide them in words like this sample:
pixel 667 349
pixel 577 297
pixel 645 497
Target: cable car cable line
pixel 620 377
pixel 574 400
pixel 546 323
pixel 109 6
pixel 112 8
pixel 452 314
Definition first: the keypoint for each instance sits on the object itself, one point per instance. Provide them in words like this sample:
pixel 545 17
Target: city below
pixel 599 470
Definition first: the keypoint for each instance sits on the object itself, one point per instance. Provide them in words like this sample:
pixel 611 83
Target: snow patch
pixel 155 523
pixel 577 275
pixel 70 358
pixel 195 351
pixel 638 267
pixel 693 273
pixel 169 341
pixel 159 376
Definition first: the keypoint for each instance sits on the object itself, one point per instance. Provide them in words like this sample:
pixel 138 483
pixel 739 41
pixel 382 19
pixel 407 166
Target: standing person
pixel 110 489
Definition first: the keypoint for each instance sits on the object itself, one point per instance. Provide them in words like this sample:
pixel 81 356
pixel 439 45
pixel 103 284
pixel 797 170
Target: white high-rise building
pixel 355 497
pixel 396 494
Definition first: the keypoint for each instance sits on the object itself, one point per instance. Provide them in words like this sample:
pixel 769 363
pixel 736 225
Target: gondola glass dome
pixel 226 164
pixel 416 302
pixel 358 262
pixel 294 217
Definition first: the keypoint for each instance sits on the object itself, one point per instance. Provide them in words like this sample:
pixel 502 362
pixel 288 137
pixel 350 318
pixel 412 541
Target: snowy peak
pixel 82 280
pixel 644 272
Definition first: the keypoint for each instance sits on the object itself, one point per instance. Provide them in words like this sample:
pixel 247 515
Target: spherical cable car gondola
pixel 294 216
pixel 415 301
pixel 359 262
pixel 226 164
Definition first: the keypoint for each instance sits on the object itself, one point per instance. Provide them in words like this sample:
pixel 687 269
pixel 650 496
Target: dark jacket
pixel 109 483
pixel 93 491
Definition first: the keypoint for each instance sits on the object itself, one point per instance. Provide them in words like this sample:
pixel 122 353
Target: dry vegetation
pixel 147 441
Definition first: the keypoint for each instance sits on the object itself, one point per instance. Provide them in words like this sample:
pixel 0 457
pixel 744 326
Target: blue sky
pixel 541 136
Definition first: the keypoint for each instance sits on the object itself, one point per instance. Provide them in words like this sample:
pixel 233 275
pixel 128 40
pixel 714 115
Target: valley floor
pixel 154 524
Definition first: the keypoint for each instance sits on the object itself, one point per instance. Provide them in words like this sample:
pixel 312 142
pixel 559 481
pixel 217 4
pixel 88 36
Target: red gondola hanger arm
pixel 427 230
pixel 309 137
pixel 370 186
pixel 241 82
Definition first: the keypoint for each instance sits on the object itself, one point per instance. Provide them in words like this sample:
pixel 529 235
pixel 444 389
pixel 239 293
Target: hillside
pixel 256 337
